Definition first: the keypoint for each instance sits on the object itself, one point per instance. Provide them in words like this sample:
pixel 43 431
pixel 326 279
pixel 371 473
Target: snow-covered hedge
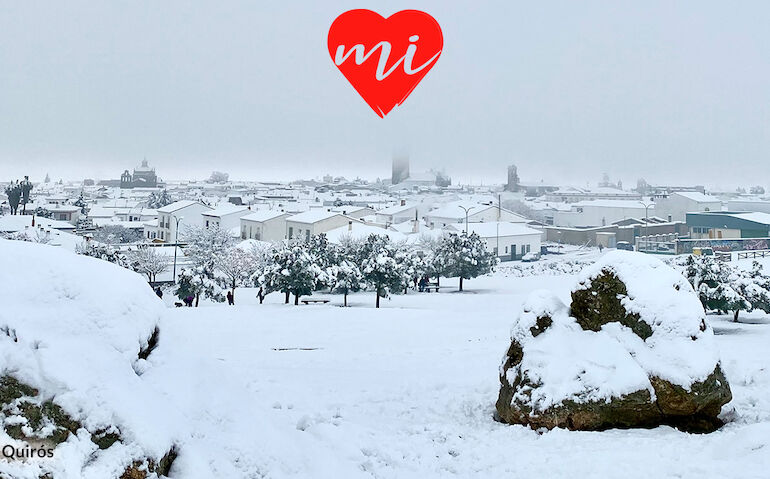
pixel 543 268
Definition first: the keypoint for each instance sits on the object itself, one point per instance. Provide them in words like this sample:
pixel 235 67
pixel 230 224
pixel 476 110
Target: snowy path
pixel 409 390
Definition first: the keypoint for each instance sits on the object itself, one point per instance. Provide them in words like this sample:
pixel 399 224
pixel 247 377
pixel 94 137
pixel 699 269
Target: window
pixel 506 250
pixel 307 235
pixel 207 223
pixel 291 232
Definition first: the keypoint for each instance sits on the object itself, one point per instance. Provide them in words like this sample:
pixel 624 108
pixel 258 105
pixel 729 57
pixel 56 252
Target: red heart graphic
pixel 385 58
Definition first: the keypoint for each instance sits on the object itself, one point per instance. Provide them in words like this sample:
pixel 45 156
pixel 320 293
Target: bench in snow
pixel 314 301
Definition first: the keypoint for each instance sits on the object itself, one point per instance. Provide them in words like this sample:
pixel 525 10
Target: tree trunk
pixel 232 291
pixel 296 299
pixel 345 298
pixel 461 283
pixel 735 315
pixel 287 298
pixel 197 298
pixel 378 298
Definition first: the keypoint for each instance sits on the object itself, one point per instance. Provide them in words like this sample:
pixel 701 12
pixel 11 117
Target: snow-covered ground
pixel 408 390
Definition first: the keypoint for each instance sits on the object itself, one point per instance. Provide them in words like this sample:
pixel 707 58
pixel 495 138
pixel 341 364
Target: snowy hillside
pixel 321 391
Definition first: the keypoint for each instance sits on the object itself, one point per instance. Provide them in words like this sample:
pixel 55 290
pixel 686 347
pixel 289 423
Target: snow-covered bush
pixel 632 350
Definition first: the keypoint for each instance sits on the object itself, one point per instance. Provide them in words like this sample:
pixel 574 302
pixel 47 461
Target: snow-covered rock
pixel 633 350
pixel 72 329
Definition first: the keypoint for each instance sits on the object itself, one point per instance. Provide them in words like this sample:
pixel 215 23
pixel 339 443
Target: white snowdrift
pixel 75 326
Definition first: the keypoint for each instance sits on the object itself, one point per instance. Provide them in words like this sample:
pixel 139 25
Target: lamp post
pixel 646 222
pixel 176 242
pixel 466 216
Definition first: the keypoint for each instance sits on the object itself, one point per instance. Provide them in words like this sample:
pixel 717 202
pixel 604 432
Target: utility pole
pixel 176 242
pixel 497 232
pixel 646 222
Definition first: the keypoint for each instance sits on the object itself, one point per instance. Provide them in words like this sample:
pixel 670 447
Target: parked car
pixel 624 245
pixel 703 251
pixel 530 257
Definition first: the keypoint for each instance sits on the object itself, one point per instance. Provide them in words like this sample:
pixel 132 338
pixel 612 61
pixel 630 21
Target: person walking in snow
pixel 230 299
pixel 159 292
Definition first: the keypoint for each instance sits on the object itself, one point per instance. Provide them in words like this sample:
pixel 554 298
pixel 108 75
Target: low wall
pixel 725 245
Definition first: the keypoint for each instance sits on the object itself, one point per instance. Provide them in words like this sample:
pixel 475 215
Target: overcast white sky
pixel 670 91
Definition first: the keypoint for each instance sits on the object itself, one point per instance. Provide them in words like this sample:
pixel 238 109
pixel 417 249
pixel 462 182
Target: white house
pixel 601 212
pixel 68 213
pixel 17 223
pixel 396 214
pixel 749 204
pixel 675 206
pixel 455 212
pixel 185 212
pixel 509 241
pixel 226 216
pixel 264 225
pixel 304 225
pixel 360 231
pixel 356 212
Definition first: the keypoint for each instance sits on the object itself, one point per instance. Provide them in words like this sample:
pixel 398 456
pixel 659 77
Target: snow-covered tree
pixel 234 268
pixel 292 271
pixel 322 254
pixel 718 285
pixel 464 256
pixel 159 200
pixel 753 287
pixel 195 282
pixel 261 256
pixel 82 204
pixel 381 267
pixel 204 246
pixel 148 261
pixel 344 277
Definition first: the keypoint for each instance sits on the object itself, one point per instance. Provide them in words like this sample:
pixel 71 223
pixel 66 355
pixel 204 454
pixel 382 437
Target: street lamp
pixel 176 242
pixel 646 221
pixel 466 216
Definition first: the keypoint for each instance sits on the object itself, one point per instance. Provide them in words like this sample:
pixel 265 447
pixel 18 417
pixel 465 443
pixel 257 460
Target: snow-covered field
pixel 408 390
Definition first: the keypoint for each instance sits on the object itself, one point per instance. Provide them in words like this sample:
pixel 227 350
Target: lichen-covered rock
pixel 633 350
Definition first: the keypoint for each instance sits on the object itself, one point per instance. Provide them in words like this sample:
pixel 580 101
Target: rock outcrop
pixel 633 350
